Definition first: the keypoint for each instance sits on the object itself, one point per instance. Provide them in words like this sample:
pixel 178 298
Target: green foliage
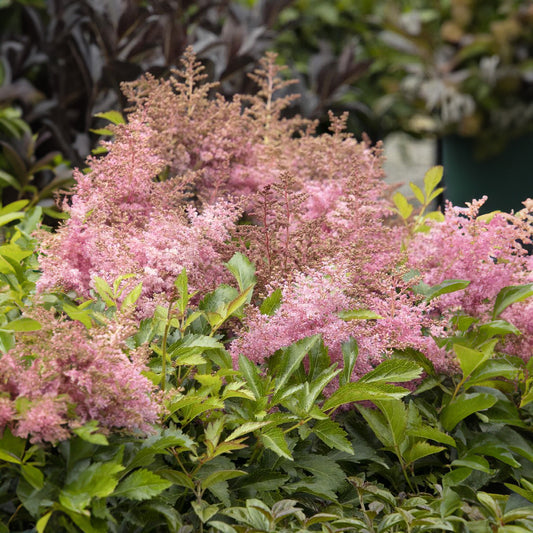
pixel 293 445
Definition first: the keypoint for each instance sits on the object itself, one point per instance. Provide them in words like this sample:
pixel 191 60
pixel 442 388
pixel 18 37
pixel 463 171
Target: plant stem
pixel 164 348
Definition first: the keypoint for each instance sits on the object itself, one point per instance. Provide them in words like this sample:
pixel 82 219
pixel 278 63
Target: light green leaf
pixel 9 457
pixel 432 178
pixel 273 438
pixel 428 432
pixel 420 449
pixel 251 374
pixel 9 217
pixel 446 287
pixel 40 526
pixel 475 462
pixel 193 345
pixel 243 270
pixel 33 476
pixel 103 290
pixel 402 205
pixel 247 427
pixel 358 392
pixel 331 434
pixel 22 324
pixel 469 359
pixel 141 485
pixel 14 206
pixel 350 351
pixel 359 314
pixel 243 298
pixel 89 433
pixel 113 116
pixel 132 296
pixel 290 359
pixel 464 406
pixel 510 295
pixel 490 503
pixel 393 371
pixel 271 303
pixel 97 480
pixel 417 191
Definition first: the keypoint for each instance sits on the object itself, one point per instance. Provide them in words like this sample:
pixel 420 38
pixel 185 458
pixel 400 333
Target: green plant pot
pixel 506 178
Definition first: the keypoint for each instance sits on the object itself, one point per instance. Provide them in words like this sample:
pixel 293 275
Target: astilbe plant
pixel 487 251
pixel 191 178
pixel 64 375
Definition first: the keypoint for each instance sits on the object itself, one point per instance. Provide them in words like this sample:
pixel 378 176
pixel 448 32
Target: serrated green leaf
pixel 193 345
pixel 490 369
pixel 33 476
pixel 177 478
pixel 428 432
pixel 350 351
pixel 103 290
pixel 291 358
pixel 359 392
pixel 393 371
pixel 241 300
pixel 89 433
pixel 469 359
pixel 84 315
pixel 271 303
pixel 510 295
pixel 247 427
pixel 420 449
pixel 243 271
pixel 141 484
pixel 251 374
pixel 220 476
pixel 475 462
pixel 463 406
pixel 97 480
pixel 273 438
pixel 395 415
pixel 331 434
pixel 132 297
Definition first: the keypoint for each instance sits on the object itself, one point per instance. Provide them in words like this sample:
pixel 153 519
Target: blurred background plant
pixel 464 66
pixel 422 67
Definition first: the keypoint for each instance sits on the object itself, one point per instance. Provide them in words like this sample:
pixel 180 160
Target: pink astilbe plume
pixel 64 375
pixel 486 252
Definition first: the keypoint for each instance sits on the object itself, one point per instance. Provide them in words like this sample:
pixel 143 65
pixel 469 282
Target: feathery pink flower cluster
pixel 485 251
pixel 64 375
pixel 185 168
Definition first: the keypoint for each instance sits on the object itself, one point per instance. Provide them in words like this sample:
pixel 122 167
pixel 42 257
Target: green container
pixel 506 178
